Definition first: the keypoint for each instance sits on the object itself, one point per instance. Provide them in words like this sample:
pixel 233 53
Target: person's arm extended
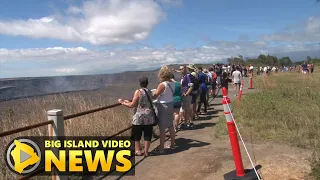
pixel 134 101
pixel 160 89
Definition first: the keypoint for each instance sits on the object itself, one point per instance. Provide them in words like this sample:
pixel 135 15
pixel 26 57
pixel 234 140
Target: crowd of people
pixel 304 68
pixel 179 101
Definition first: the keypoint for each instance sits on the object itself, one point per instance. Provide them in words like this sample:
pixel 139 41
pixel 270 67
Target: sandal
pixel 169 147
pixel 138 153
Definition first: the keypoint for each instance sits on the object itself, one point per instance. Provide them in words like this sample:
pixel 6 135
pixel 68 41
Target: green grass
pixel 287 110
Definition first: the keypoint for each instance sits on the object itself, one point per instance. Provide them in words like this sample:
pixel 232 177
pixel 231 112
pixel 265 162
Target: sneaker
pixel 183 126
pixel 191 125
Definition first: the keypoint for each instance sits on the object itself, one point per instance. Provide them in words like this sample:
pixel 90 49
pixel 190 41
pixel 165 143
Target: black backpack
pixel 195 82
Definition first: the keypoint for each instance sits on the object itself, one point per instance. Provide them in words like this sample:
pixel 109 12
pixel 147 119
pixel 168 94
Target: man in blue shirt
pixel 203 78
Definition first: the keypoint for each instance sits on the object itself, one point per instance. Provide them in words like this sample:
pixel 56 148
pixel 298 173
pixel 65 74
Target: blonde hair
pixel 165 74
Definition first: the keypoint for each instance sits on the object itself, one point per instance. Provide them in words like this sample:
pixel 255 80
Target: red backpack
pixel 214 76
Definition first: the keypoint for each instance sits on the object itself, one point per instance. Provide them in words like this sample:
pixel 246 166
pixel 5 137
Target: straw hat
pixel 192 66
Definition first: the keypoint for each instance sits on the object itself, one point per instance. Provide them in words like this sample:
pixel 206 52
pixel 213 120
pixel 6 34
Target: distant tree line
pixel 268 60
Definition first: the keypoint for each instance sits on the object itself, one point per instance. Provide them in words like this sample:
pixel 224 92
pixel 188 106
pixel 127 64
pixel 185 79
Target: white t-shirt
pixel 224 68
pixel 251 67
pixel 209 75
pixel 265 69
pixel 236 76
pixel 167 95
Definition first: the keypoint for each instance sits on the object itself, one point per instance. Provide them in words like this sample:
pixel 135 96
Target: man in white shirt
pixel 251 69
pixel 229 70
pixel 265 69
pixel 224 68
pixel 236 77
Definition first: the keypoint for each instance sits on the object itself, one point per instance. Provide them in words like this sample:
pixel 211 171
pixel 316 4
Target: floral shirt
pixel 143 112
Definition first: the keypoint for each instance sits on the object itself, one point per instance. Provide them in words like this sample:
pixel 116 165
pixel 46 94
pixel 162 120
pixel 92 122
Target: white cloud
pixel 260 43
pixel 300 32
pixel 65 61
pixel 65 70
pixel 97 22
pixel 313 25
pixel 171 2
pixel 209 47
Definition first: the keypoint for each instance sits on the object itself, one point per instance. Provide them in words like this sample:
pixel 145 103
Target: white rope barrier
pixel 243 142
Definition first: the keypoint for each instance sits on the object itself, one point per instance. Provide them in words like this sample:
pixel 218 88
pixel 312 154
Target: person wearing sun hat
pixel 193 69
pixel 195 93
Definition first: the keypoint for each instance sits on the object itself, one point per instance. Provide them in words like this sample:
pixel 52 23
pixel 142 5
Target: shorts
pixel 186 103
pixel 136 132
pixel 177 105
pixel 214 84
pixel 218 82
pixel 165 115
pixel 193 98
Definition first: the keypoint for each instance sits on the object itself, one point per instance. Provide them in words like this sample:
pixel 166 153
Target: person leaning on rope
pixel 143 117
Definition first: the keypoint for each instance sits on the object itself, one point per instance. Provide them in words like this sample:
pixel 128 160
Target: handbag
pixel 156 119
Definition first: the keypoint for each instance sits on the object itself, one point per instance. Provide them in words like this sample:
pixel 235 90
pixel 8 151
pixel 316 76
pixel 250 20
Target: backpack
pixel 214 76
pixel 195 81
pixel 207 78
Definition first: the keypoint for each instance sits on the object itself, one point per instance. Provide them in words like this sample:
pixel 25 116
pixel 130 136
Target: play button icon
pixel 24 156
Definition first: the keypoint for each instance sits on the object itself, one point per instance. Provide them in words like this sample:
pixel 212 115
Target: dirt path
pixel 199 155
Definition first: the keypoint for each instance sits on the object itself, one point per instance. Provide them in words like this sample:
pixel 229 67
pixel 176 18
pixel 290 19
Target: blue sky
pixel 56 37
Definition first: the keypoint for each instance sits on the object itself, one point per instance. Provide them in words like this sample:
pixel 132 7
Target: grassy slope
pixel 287 110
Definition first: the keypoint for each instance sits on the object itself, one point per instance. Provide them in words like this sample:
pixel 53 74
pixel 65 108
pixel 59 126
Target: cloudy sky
pixel 71 37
